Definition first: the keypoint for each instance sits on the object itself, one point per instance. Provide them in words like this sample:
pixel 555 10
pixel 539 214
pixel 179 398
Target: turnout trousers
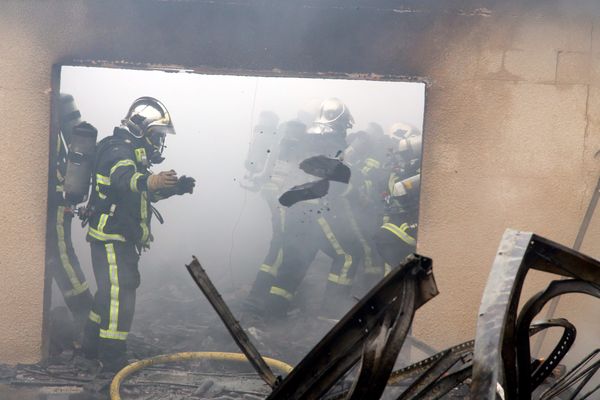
pixel 64 265
pixel 117 275
pixel 315 228
pixel 267 272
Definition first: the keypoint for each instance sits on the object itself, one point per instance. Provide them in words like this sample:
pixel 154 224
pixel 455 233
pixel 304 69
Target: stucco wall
pixel 511 127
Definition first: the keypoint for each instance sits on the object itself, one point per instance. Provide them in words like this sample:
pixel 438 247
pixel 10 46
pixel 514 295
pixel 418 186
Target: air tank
pixel 80 162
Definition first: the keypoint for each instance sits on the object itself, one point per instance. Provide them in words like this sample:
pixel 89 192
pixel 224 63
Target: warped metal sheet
pixel 495 349
pixel 373 329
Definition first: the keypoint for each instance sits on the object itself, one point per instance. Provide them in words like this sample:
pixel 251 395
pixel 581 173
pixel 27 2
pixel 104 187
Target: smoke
pixel 227 227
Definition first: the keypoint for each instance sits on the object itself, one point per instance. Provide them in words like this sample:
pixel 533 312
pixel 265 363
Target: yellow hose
pixel 186 356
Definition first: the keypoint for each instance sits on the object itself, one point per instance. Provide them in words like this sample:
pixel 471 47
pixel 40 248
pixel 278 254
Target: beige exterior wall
pixel 512 120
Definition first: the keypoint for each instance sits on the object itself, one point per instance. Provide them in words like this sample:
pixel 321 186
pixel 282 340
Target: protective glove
pixel 185 184
pixel 162 180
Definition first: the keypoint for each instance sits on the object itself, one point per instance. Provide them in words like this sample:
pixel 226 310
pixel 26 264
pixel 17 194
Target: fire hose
pixel 186 356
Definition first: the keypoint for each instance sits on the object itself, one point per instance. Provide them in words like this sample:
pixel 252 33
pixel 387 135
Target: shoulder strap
pixel 101 147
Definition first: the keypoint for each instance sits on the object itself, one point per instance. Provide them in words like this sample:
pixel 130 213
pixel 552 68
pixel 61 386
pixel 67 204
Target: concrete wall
pixel 512 120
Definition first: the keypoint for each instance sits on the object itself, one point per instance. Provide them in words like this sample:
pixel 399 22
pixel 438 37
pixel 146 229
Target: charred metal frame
pixel 499 334
pixel 580 374
pixel 373 332
pixel 233 326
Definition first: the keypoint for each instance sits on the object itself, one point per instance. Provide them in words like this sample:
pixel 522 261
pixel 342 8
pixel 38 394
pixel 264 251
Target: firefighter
pixel 397 236
pixel 368 154
pixel 287 149
pixel 319 224
pixel 260 166
pixel 120 210
pixel 62 261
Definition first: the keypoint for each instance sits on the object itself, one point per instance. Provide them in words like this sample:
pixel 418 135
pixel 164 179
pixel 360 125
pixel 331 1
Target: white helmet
pixel 148 118
pixel 333 116
pixel 402 130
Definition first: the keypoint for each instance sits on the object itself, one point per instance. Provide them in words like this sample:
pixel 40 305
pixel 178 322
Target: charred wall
pixel 512 121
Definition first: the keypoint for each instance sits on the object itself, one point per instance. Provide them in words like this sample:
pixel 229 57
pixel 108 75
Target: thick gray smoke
pixel 226 226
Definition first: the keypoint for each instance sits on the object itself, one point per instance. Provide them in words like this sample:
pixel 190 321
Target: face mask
pixel 156 146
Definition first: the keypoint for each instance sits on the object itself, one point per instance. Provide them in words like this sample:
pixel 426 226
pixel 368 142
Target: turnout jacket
pixel 120 203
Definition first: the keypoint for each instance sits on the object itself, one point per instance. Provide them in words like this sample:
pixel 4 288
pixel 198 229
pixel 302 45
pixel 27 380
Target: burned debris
pixel 357 357
pixel 375 329
pixel 497 362
pixel 502 339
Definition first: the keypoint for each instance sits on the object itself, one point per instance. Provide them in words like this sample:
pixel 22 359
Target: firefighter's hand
pixel 185 184
pixel 162 180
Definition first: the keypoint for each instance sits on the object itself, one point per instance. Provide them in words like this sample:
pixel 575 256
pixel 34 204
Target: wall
pixel 512 120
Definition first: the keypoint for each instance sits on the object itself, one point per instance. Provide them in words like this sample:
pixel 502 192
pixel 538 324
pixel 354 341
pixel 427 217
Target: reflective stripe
pixel 108 334
pixel 103 180
pixel 391 182
pixel 373 163
pixel 99 233
pixel 105 237
pixel 366 248
pixel 122 163
pixel 144 217
pixel 74 292
pixel 266 268
pixel 94 317
pixel 113 318
pixel 400 231
pixel 133 182
pixel 370 163
pixel 340 280
pixel 282 217
pixel 343 276
pixel 349 188
pixel 102 222
pixel 59 188
pixel 140 155
pixel 277 291
pixel 269 186
pixel 59 176
pixel 272 269
pixel 78 286
pixel 278 261
pixel 368 186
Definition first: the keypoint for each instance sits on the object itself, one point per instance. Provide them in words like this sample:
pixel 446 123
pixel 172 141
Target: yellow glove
pixel 162 180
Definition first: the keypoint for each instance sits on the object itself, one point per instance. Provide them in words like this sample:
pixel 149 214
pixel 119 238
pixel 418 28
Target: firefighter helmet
pixel 148 116
pixel 402 130
pixel 335 115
